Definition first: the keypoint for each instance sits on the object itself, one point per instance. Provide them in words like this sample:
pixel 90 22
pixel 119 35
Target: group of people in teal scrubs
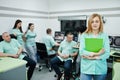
pixel 14 48
pixel 25 42
pixel 93 65
pixel 27 39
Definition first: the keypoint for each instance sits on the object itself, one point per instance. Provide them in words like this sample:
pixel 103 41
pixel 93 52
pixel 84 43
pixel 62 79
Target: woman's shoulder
pixel 28 31
pixel 104 34
pixel 15 30
pixel 85 34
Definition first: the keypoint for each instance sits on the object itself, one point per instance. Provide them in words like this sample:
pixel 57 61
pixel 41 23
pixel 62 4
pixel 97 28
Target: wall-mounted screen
pixel 73 26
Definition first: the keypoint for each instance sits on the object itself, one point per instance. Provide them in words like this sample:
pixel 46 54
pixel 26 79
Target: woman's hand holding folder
pixel 94 55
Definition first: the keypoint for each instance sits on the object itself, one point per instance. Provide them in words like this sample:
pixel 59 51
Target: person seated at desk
pixel 49 42
pixel 11 48
pixel 66 53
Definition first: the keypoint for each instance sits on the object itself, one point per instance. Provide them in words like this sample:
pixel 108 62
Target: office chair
pixel 42 51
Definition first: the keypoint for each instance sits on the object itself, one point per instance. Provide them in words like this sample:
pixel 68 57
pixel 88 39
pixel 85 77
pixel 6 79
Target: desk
pixel 12 69
pixel 116 66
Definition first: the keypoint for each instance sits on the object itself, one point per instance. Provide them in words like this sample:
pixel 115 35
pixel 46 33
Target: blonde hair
pixel 89 28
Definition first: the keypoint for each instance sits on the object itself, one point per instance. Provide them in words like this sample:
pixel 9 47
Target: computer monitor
pixel 59 36
pixel 114 41
pixel 117 41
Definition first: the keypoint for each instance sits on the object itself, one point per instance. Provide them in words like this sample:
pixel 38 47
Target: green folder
pixel 93 44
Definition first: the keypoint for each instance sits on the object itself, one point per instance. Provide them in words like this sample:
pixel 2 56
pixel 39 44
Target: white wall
pixel 37 5
pixel 66 5
pixel 35 11
pixel 112 26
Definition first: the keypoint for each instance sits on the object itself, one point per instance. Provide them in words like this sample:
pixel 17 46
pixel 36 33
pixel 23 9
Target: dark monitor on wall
pixel 73 26
pixel 59 36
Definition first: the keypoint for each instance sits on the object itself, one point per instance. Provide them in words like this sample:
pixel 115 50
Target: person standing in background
pixel 80 30
pixel 17 31
pixel 30 42
pixel 94 64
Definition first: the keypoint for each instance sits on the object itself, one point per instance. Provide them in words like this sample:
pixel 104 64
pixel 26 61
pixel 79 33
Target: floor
pixel 44 74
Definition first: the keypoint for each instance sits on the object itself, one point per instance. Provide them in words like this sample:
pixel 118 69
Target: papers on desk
pixel 93 44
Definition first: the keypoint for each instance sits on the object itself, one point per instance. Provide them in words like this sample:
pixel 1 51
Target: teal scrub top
pixel 49 42
pixel 19 36
pixel 11 47
pixel 30 38
pixel 67 48
pixel 95 67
